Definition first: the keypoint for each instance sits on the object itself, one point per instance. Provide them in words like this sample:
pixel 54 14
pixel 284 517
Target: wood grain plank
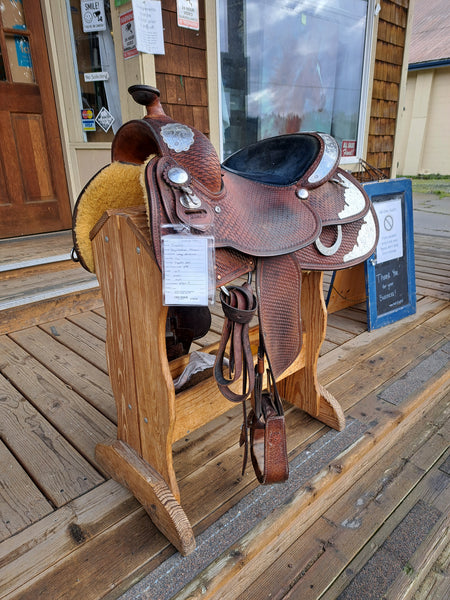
pixel 130 538
pixel 346 324
pixel 434 284
pixel 327 346
pixel 133 538
pixel 354 355
pixel 79 340
pixel 228 476
pixel 433 491
pixel 80 423
pixel 357 314
pixel 88 381
pixel 61 473
pixel 356 350
pixel 33 551
pixel 44 285
pixel 423 260
pixel 91 321
pixel 35 249
pixel 20 317
pixel 56 267
pixel 247 559
pixel 338 336
pixel 385 364
pixel 21 502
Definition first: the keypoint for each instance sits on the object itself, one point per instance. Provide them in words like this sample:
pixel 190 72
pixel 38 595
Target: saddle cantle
pixel 276 207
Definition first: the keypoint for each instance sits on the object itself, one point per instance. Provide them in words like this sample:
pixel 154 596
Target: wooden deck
pixel 372 499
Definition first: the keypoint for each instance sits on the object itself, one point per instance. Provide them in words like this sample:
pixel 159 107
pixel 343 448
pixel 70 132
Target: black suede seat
pixel 281 160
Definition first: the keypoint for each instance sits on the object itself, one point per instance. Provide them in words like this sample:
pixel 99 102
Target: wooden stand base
pixel 151 417
pixel 149 488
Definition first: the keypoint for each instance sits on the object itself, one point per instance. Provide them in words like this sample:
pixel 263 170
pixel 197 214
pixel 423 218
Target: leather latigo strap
pixel 239 307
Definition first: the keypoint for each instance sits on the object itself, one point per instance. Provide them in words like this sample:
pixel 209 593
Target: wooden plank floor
pixel 67 531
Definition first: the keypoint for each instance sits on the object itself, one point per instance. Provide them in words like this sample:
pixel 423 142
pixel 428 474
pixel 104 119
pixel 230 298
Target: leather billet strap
pixel 239 307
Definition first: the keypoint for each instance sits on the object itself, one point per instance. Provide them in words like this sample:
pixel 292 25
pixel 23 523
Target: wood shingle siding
pixel 386 84
pixel 181 73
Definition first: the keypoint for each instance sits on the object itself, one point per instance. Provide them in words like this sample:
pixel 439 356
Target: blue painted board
pixel 390 272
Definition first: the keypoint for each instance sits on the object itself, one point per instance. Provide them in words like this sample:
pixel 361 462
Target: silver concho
pixel 302 194
pixel 330 250
pixel 178 137
pixel 178 175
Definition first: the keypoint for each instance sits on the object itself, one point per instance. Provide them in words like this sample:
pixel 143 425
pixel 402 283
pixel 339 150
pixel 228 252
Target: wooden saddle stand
pixel 281 207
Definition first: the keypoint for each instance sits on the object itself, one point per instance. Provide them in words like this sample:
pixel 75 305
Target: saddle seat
pixel 282 160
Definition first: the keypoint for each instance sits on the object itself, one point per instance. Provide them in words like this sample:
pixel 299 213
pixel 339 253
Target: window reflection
pixel 16 63
pixel 12 13
pixel 290 66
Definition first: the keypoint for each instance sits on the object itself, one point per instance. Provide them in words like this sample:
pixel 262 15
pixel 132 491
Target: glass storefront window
pixel 289 66
pixel 95 64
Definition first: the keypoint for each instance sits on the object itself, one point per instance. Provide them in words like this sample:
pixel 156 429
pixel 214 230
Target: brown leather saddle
pixel 275 207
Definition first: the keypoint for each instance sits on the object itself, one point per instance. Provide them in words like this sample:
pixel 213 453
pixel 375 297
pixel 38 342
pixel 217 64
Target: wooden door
pixel 33 187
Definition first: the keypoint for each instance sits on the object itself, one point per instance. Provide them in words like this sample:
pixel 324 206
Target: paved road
pixel 431 214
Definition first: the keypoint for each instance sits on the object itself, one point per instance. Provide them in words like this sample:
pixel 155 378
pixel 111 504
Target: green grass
pixel 431 184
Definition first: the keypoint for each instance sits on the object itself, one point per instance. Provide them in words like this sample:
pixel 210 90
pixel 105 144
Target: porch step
pixel 33 250
pixel 39 280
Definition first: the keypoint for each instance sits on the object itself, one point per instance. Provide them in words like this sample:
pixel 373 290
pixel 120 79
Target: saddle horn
pixel 149 97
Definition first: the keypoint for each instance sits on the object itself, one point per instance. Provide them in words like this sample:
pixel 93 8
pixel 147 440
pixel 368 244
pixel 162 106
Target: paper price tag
pixel 186 270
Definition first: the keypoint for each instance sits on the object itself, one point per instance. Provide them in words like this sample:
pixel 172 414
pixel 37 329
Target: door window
pixel 15 57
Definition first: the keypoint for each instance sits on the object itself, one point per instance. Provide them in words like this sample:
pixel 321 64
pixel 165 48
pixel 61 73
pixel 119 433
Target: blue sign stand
pixel 390 272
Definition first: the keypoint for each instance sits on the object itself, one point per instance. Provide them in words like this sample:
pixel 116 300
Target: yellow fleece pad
pixel 116 186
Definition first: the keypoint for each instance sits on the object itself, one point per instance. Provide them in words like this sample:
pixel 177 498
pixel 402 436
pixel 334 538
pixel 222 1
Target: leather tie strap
pixel 239 307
